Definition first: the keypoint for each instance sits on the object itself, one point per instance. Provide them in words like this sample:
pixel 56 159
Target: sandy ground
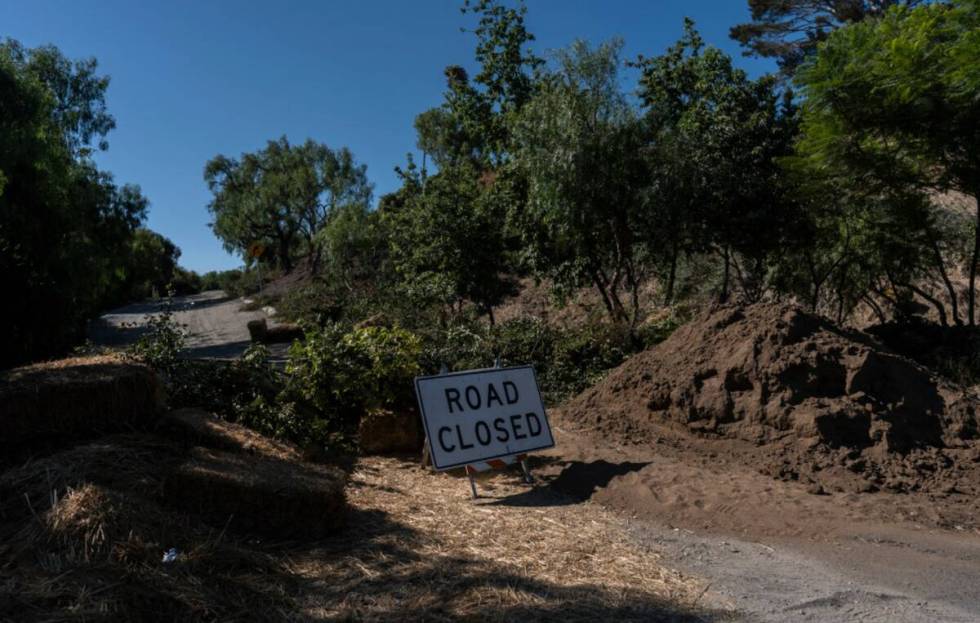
pixel 215 325
pixel 772 551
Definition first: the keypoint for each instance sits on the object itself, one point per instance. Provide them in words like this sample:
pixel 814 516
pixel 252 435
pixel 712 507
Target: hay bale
pixel 259 495
pixel 284 332
pixel 257 330
pixel 54 404
pixel 204 429
pixel 383 432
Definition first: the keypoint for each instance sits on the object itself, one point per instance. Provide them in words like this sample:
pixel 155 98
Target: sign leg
pixel 528 479
pixel 472 484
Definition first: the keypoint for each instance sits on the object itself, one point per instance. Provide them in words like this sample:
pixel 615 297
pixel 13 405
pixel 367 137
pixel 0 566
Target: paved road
pixel 215 324
pixel 880 576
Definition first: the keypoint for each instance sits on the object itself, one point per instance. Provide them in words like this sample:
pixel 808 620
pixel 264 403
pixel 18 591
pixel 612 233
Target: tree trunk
pixel 941 265
pixel 971 302
pixel 671 276
pixel 284 260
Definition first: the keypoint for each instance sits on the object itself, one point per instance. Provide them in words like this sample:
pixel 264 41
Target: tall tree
pixel 715 138
pixel 64 224
pixel 578 147
pixel 891 108
pixel 282 196
pixel 789 30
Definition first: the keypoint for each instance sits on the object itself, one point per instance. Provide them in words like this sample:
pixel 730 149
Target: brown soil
pixel 774 389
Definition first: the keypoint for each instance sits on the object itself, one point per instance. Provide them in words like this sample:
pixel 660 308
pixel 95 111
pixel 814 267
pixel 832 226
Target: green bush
pixel 566 360
pixel 344 373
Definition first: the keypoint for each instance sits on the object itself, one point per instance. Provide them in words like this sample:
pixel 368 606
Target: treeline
pixel 848 181
pixel 820 183
pixel 71 240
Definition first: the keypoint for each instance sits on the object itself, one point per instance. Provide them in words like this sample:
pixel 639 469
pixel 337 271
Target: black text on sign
pixel 482 414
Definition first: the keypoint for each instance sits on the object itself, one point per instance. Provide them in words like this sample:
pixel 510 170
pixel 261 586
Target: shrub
pixel 345 373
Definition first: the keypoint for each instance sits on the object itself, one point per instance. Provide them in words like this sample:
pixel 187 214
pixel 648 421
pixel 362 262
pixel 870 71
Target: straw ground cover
pixel 418 548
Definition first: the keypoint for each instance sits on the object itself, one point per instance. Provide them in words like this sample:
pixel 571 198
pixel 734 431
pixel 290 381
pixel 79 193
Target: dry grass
pixel 82 534
pixel 265 496
pixel 418 548
pixel 49 405
pixel 201 428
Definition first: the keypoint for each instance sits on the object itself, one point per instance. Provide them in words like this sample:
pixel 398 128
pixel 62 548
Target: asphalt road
pixel 215 324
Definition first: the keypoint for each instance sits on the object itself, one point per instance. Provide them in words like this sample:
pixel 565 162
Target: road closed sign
pixel 479 415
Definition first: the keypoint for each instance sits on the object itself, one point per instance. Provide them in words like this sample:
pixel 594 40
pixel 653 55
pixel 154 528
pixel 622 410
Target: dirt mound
pixel 802 395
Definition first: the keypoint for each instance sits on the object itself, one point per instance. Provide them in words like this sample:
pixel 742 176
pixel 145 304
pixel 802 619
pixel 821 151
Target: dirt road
pixel 772 551
pixel 215 325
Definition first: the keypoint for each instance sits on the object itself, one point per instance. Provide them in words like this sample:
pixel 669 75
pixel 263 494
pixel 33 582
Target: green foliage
pixel 160 345
pixel 151 266
pixel 65 226
pixel 447 242
pixel 716 185
pixel 281 196
pixel 580 151
pixel 791 30
pixel 888 122
pixel 344 373
pixel 566 361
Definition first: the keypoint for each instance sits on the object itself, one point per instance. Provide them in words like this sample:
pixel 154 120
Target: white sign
pixel 480 415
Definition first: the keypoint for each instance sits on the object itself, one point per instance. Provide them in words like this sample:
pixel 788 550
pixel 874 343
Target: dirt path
pixel 215 324
pixel 773 551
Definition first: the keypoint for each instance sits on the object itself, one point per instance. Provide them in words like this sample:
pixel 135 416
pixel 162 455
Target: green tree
pixel 151 266
pixel 282 196
pixel 714 141
pixel 65 226
pixel 447 240
pixel 578 147
pixel 891 110
pixel 791 30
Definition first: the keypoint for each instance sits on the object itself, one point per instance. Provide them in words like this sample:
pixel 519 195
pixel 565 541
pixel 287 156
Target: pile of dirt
pixel 793 395
pixel 49 405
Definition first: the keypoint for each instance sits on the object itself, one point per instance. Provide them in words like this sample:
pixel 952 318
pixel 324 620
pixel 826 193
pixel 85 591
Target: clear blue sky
pixel 192 79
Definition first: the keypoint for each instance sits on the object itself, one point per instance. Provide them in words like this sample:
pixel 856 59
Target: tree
pixel 790 30
pixel 282 196
pixel 578 147
pixel 151 266
pixel 447 240
pixel 64 225
pixel 891 110
pixel 714 141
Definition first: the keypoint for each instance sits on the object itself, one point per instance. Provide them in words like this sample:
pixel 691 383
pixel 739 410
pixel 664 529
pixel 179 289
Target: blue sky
pixel 191 80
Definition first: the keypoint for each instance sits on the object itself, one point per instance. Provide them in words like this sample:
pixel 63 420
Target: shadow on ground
pixel 576 482
pixel 375 572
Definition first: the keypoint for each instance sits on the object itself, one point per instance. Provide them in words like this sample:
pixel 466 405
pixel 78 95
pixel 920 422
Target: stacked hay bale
pixel 256 484
pixel 53 404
